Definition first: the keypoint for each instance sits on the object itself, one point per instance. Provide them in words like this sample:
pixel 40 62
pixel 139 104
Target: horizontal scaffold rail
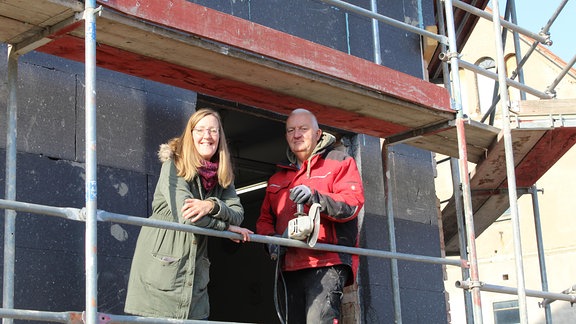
pixel 509 82
pixel 104 216
pixel 79 317
pixel 513 291
pixel 542 38
pixel 390 21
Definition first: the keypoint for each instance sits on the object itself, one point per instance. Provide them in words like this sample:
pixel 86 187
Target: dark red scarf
pixel 209 175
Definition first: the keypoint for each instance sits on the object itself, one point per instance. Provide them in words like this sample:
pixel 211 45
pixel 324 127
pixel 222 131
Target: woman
pixel 170 269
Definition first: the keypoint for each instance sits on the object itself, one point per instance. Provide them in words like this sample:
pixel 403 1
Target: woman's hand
pixel 240 230
pixel 195 209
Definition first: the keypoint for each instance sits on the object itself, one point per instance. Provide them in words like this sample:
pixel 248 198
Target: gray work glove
pixel 300 194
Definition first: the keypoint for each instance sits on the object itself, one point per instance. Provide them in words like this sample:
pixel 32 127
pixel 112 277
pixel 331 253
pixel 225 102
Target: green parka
pixel 170 269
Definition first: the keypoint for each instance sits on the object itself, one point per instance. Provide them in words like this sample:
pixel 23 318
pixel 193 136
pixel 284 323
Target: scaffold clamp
pixel 546 36
pixel 102 318
pixel 446 56
pixel 469 284
pixel 96 11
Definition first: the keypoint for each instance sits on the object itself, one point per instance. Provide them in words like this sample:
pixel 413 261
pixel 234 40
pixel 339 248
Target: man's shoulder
pixel 336 154
pixel 279 175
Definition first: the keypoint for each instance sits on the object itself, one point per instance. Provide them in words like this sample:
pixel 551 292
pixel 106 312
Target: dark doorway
pixel 242 275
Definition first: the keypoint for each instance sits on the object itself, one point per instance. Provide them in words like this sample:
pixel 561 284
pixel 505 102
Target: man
pixel 314 173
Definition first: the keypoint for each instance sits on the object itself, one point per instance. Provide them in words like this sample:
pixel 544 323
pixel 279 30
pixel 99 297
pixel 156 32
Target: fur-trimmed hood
pixel 165 152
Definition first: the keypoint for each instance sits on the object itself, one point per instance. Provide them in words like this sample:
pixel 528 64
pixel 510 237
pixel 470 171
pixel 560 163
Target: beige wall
pixel 495 247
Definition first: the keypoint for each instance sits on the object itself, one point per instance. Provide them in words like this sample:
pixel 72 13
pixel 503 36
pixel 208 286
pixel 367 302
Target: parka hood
pixel 165 152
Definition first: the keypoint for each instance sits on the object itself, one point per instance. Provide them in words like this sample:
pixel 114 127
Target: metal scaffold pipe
pixel 509 82
pixel 10 184
pixel 513 291
pixel 104 216
pixel 463 162
pixel 389 186
pixel 540 246
pixel 392 22
pixel 551 88
pixel 542 38
pixel 91 266
pixel 510 166
pixel 78 317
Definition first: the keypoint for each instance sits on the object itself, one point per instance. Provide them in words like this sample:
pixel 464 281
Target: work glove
pixel 300 194
pixel 274 250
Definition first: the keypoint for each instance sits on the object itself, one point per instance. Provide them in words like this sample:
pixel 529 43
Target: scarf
pixel 208 175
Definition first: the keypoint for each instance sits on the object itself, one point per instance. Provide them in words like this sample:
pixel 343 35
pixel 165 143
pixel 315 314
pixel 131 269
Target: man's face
pixel 301 135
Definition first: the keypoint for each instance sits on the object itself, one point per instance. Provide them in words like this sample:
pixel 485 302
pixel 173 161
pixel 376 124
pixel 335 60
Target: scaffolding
pixel 451 63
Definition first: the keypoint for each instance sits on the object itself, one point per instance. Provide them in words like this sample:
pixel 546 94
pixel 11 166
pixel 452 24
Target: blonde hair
pixel 186 156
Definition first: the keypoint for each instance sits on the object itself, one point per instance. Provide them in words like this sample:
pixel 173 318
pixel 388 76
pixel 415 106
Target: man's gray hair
pixel 306 111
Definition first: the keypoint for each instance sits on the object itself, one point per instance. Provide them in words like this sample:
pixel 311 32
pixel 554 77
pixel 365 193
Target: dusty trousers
pixel 315 294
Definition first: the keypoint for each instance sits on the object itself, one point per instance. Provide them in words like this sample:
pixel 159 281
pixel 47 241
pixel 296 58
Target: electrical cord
pixel 277 273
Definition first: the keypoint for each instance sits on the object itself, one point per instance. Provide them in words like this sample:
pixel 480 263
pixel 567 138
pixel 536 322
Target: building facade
pixel 135 115
pixel 495 246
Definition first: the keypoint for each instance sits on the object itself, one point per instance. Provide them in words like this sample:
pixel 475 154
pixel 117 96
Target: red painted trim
pixel 226 29
pixel 72 48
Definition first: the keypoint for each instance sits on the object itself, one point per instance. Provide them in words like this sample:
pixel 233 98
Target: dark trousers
pixel 315 294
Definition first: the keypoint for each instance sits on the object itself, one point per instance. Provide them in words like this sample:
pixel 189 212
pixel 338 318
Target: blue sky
pixel 534 14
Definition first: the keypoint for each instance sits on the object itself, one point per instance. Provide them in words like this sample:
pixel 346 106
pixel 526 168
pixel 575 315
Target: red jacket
pixel 336 185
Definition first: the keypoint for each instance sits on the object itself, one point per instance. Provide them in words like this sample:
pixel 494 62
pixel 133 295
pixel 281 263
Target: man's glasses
pixel 202 131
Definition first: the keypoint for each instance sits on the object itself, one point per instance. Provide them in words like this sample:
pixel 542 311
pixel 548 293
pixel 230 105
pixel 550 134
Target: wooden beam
pixel 210 24
pixel 546 107
pixel 535 152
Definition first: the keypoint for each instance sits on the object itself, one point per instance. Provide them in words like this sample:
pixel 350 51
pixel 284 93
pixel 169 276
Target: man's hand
pixel 300 194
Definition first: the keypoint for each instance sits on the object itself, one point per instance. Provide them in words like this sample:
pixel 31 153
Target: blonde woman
pixel 170 269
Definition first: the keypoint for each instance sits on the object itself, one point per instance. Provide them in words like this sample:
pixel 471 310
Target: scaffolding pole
pixel 390 21
pixel 91 164
pixel 376 33
pixel 105 216
pixel 507 81
pixel 510 11
pixel 517 48
pixel 540 245
pixel 463 162
pixel 551 87
pixel 461 234
pixel 495 18
pixel 104 318
pixel 10 184
pixel 392 237
pixel 514 291
pixel 510 167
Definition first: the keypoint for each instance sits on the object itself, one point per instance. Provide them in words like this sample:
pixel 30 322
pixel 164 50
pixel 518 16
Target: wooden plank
pixel 551 147
pixel 39 13
pixel 20 20
pixel 11 28
pixel 490 174
pixel 546 107
pixel 535 152
pixel 479 137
